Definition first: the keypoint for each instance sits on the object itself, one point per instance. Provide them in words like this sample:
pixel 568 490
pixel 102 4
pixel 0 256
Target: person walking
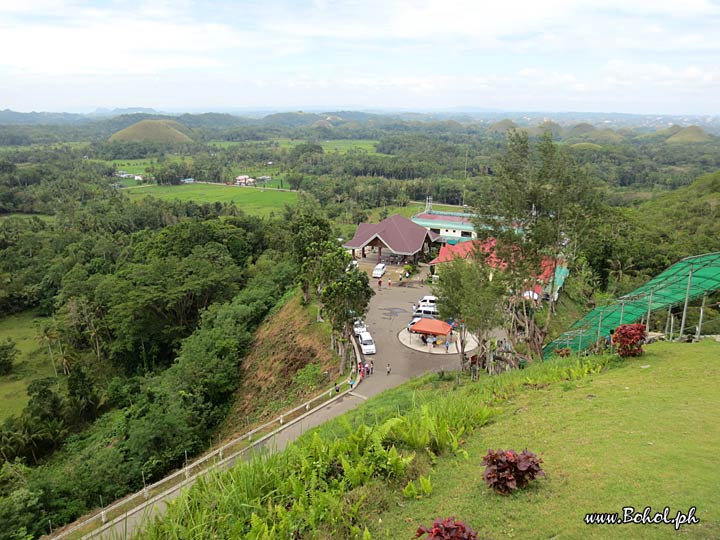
pixel 389 282
pixel 447 345
pixel 388 369
pixel 379 283
pixel 372 367
pixel 337 388
pixel 367 368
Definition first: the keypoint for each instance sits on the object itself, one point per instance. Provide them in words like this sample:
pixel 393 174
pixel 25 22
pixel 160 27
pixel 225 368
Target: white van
pixel 428 301
pixel 367 345
pixel 379 270
pixel 426 311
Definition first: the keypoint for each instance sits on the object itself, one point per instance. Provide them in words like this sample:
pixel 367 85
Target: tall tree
pixel 537 210
pixel 345 300
pixel 468 294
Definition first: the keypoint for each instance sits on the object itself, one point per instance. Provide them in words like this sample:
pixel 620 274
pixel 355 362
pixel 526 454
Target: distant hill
pixel 293 119
pixel 501 127
pixel 8 117
pixel 579 130
pixel 586 146
pixel 692 134
pixel 126 110
pixel 161 131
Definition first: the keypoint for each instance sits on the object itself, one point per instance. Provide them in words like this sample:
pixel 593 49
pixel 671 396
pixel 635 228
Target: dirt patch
pixel 284 344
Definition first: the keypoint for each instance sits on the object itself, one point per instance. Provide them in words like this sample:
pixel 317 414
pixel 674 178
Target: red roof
pixel 431 326
pixel 398 233
pixel 466 249
pixel 449 252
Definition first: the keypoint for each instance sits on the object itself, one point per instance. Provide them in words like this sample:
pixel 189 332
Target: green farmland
pixel 33 362
pixel 255 201
pixel 339 145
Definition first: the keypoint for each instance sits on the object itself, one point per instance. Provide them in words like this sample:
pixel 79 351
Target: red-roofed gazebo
pixel 431 327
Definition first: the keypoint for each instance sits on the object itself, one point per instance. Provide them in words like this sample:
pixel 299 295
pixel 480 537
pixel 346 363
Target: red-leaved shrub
pixel 629 339
pixel 506 471
pixel 447 529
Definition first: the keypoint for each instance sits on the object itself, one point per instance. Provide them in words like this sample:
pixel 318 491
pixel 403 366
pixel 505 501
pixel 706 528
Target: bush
pixel 629 339
pixel 447 529
pixel 8 354
pixel 506 471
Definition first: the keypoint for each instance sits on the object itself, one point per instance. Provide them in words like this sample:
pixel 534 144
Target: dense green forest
pixel 149 305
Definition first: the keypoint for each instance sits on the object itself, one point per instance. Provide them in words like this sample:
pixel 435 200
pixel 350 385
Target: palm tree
pixel 48 336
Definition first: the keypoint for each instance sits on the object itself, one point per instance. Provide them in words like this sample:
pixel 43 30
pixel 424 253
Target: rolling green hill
pixel 501 127
pixel 692 134
pixel 160 131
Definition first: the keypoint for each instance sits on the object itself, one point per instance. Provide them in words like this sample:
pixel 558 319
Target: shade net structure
pixel 687 280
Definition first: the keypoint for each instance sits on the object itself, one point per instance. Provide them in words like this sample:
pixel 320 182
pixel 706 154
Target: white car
pixel 359 327
pixel 379 270
pixel 430 301
pixel 367 345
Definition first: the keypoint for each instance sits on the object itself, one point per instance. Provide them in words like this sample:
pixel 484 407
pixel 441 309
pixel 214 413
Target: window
pixel 436 231
pixel 466 234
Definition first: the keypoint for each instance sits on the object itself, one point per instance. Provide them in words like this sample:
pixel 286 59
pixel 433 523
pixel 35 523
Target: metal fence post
pixel 700 321
pixel 687 298
pixel 647 322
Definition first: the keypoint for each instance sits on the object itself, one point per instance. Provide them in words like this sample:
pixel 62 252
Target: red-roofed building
pixel 396 233
pixel 465 250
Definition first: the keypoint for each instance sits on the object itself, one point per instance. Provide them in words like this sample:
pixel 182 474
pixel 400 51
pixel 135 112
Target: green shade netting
pixel 689 278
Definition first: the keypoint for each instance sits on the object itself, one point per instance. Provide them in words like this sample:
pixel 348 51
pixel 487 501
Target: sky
pixel 631 56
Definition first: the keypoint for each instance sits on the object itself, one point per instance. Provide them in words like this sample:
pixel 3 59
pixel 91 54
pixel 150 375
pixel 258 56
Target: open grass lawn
pixel 339 145
pixel 254 201
pixel 633 436
pixel 32 363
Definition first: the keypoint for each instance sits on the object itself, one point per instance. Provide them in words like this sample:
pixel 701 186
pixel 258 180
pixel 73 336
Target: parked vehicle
pixel 428 301
pixel 430 311
pixel 359 327
pixel 379 270
pixel 367 345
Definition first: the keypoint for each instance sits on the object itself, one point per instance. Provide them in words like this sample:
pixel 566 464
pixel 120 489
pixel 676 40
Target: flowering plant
pixel 447 529
pixel 506 471
pixel 629 339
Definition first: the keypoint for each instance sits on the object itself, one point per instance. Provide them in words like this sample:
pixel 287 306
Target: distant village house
pixel 244 180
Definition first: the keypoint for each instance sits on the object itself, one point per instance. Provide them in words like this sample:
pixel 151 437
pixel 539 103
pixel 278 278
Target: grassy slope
pixel 631 436
pixel 32 363
pixel 162 131
pixel 286 342
pixel 251 200
pixel 690 134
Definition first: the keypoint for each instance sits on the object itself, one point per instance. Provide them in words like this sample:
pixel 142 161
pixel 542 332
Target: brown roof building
pixel 397 233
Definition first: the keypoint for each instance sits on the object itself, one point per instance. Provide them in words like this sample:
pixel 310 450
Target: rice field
pixel 256 201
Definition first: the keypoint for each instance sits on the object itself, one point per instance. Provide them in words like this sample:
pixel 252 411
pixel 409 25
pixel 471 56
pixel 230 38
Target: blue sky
pixel 631 56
